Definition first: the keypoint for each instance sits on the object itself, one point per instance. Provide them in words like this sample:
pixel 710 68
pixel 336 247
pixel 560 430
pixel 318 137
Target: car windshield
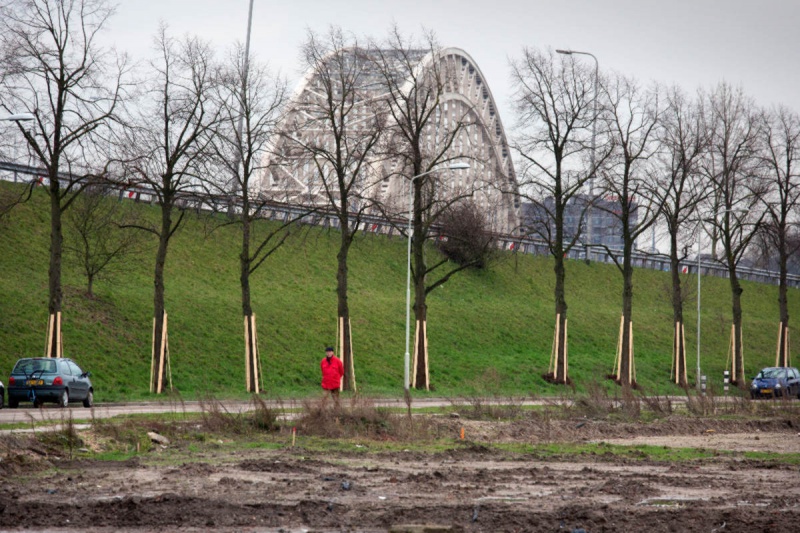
pixel 29 366
pixel 772 373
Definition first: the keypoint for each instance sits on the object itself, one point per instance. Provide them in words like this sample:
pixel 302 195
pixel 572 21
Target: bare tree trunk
pixel 159 376
pixel 244 263
pixel 679 341
pixel 626 375
pixel 783 336
pixel 56 252
pixel 343 306
pixel 252 360
pixel 560 366
pixel 737 374
pixel 420 370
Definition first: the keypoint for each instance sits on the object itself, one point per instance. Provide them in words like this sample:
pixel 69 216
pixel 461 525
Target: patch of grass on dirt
pixel 664 454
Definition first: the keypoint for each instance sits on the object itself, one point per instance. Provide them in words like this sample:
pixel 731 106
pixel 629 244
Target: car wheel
pixel 2 397
pixel 63 400
pixel 13 403
pixel 37 402
pixel 89 400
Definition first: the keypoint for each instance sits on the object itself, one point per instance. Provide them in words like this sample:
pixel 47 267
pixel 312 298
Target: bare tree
pixel 679 190
pixel 555 102
pixel 9 198
pixel 420 140
pixel 96 238
pixel 250 102
pixel 54 68
pixel 164 152
pixel 781 140
pixel 633 115
pixel 465 238
pixel 341 121
pixel 734 168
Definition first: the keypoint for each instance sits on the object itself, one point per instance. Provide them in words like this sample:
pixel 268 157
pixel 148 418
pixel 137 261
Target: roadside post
pixel 703 385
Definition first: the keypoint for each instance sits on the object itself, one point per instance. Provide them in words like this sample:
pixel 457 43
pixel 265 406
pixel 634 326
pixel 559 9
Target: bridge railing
pixel 200 200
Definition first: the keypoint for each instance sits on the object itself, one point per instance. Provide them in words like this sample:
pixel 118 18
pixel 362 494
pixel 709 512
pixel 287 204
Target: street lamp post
pixel 406 361
pixel 697 376
pixel 594 140
pixel 19 117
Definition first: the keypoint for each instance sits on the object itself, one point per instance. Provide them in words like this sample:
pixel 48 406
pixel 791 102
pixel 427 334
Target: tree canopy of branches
pixel 678 189
pixel 734 171
pixel 781 141
pixel 165 149
pixel 633 118
pixel 250 103
pixel 465 239
pixel 342 124
pixel 97 240
pixel 555 100
pixel 54 69
pixel 416 81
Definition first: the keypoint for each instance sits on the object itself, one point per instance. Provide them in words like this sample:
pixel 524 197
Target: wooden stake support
pixel 54 334
pixel 414 361
pixel 153 358
pixel 554 348
pixel 352 356
pixel 351 360
pixel 683 339
pixel 252 360
pixel 161 355
pixel 49 340
pixel 617 373
pixel 618 360
pixel 566 346
pixel 420 330
pixel 59 337
pixel 247 360
pixel 632 359
pixel 427 358
pixel 732 354
pixel 160 362
pixel 783 341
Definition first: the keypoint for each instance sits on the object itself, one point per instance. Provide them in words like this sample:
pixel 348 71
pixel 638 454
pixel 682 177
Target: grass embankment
pixel 490 332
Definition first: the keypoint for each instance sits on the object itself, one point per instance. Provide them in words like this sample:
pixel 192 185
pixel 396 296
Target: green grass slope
pixel 489 331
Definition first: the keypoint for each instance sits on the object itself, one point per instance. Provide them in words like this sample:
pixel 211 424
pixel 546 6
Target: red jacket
pixel 332 372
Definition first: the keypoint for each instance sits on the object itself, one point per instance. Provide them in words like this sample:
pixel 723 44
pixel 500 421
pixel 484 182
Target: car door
pixel 80 385
pixel 794 380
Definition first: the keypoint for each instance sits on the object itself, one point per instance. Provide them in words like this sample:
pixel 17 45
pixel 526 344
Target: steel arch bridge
pixel 481 140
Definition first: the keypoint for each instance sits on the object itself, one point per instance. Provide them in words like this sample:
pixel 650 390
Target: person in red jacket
pixel 332 372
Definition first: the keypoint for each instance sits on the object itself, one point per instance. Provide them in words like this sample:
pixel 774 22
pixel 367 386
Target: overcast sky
pixel 693 43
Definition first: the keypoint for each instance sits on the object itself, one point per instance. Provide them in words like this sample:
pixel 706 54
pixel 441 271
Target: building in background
pixel 606 229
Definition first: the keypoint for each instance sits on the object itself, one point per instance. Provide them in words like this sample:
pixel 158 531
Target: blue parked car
pixel 774 382
pixel 44 379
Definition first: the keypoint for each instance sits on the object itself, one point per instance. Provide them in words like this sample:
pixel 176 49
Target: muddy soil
pixel 471 487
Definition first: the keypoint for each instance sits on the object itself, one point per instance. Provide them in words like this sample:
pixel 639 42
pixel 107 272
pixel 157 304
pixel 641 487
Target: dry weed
pixel 358 417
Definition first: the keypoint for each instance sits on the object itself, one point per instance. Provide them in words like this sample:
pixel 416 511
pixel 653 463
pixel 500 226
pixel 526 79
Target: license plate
pixel 766 391
pixel 34 382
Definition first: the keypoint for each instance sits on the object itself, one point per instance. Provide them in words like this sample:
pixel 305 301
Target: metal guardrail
pixel 278 211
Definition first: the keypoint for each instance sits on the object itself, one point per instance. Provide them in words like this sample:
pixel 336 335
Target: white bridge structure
pixel 466 101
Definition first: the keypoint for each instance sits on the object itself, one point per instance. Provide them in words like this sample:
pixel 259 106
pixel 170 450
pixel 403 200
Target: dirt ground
pixel 471 487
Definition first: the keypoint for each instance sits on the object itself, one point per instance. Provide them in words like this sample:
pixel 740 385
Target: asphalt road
pixel 26 413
